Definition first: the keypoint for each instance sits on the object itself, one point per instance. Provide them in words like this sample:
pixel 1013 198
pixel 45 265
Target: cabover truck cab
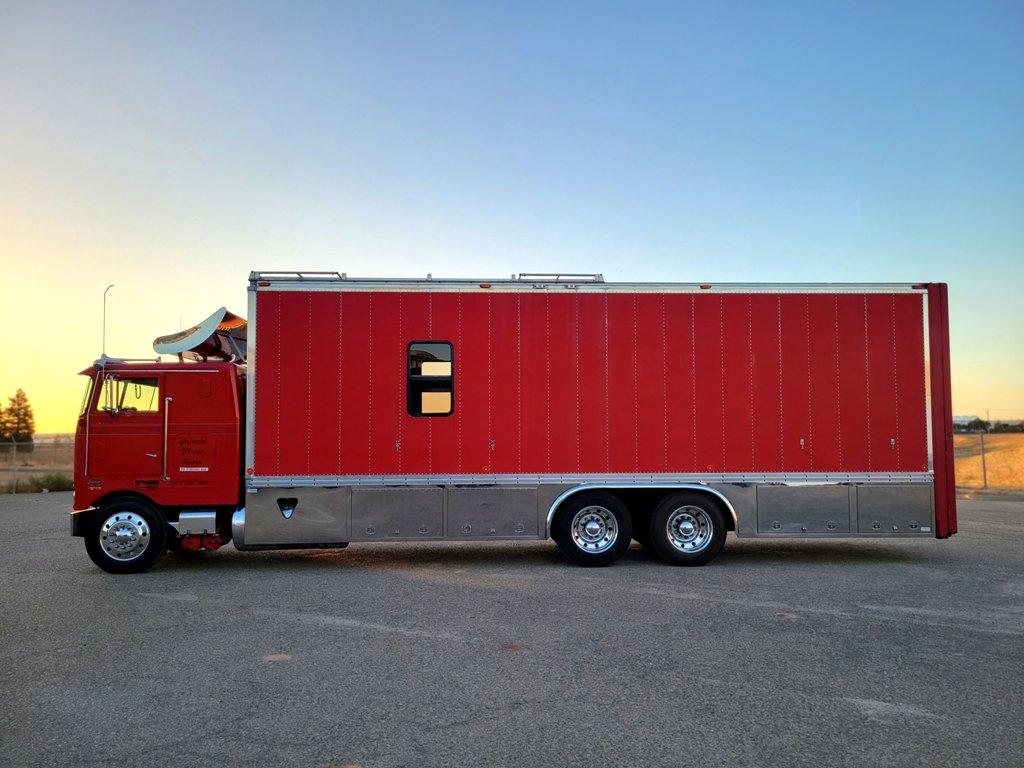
pixel 559 406
pixel 157 446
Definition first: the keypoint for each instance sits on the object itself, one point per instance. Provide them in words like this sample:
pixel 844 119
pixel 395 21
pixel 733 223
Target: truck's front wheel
pixel 126 537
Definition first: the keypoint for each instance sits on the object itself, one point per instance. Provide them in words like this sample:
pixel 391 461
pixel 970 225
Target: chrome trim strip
pixel 505 286
pixel 928 383
pixel 88 412
pixel 625 479
pixel 605 487
pixel 250 383
pixel 133 371
pixel 167 417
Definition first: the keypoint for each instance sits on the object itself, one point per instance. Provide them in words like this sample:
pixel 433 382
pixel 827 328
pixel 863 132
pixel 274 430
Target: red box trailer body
pixel 457 409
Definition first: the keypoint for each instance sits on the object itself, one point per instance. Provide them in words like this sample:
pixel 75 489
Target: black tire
pixel 143 528
pixel 607 511
pixel 698 532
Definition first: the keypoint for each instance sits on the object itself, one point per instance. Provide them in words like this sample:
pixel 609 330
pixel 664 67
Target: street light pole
pixel 104 350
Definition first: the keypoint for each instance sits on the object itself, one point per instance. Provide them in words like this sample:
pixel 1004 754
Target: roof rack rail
pixel 104 360
pixel 560 277
pixel 296 275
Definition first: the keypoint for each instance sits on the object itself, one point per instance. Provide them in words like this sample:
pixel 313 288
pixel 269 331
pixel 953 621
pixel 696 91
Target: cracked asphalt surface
pixel 805 653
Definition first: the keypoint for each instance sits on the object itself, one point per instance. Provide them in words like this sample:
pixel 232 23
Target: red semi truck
pixel 561 406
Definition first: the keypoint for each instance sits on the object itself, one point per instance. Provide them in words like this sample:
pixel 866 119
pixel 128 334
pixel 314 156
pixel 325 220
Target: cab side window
pixel 131 395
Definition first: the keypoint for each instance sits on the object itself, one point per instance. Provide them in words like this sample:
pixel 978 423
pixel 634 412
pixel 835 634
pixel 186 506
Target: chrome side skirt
pixel 286 517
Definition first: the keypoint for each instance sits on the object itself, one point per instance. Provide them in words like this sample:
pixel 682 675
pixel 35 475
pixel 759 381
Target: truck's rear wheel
pixel 687 529
pixel 592 529
pixel 126 537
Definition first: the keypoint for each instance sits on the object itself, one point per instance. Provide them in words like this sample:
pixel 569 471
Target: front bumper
pixel 78 521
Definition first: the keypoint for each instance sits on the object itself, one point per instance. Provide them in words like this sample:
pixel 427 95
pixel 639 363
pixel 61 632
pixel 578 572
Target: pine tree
pixel 18 421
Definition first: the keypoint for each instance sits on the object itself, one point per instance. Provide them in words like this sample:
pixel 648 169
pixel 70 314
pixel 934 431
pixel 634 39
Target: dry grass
pixel 1004 460
pixel 36 482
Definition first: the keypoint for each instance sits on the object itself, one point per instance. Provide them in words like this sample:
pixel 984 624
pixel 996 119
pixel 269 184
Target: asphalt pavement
pixel 800 653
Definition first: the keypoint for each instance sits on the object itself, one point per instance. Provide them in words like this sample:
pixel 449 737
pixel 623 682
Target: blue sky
pixel 171 148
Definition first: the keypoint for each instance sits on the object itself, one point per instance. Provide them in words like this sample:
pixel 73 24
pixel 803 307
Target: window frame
pixel 87 398
pixel 409 379
pixel 127 377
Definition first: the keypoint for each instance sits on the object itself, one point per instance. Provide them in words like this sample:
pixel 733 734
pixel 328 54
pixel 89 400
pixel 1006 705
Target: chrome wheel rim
pixel 124 536
pixel 594 529
pixel 689 529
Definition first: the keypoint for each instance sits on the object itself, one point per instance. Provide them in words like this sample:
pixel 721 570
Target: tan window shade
pixel 435 368
pixel 430 378
pixel 435 402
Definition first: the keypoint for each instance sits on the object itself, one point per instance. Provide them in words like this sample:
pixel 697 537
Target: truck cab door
pixel 126 440
pixel 203 438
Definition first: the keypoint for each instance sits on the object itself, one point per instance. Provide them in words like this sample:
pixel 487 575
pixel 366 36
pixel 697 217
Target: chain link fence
pixel 989 461
pixel 45 463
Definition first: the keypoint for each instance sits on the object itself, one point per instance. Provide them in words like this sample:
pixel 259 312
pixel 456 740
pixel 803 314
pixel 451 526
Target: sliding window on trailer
pixel 430 384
